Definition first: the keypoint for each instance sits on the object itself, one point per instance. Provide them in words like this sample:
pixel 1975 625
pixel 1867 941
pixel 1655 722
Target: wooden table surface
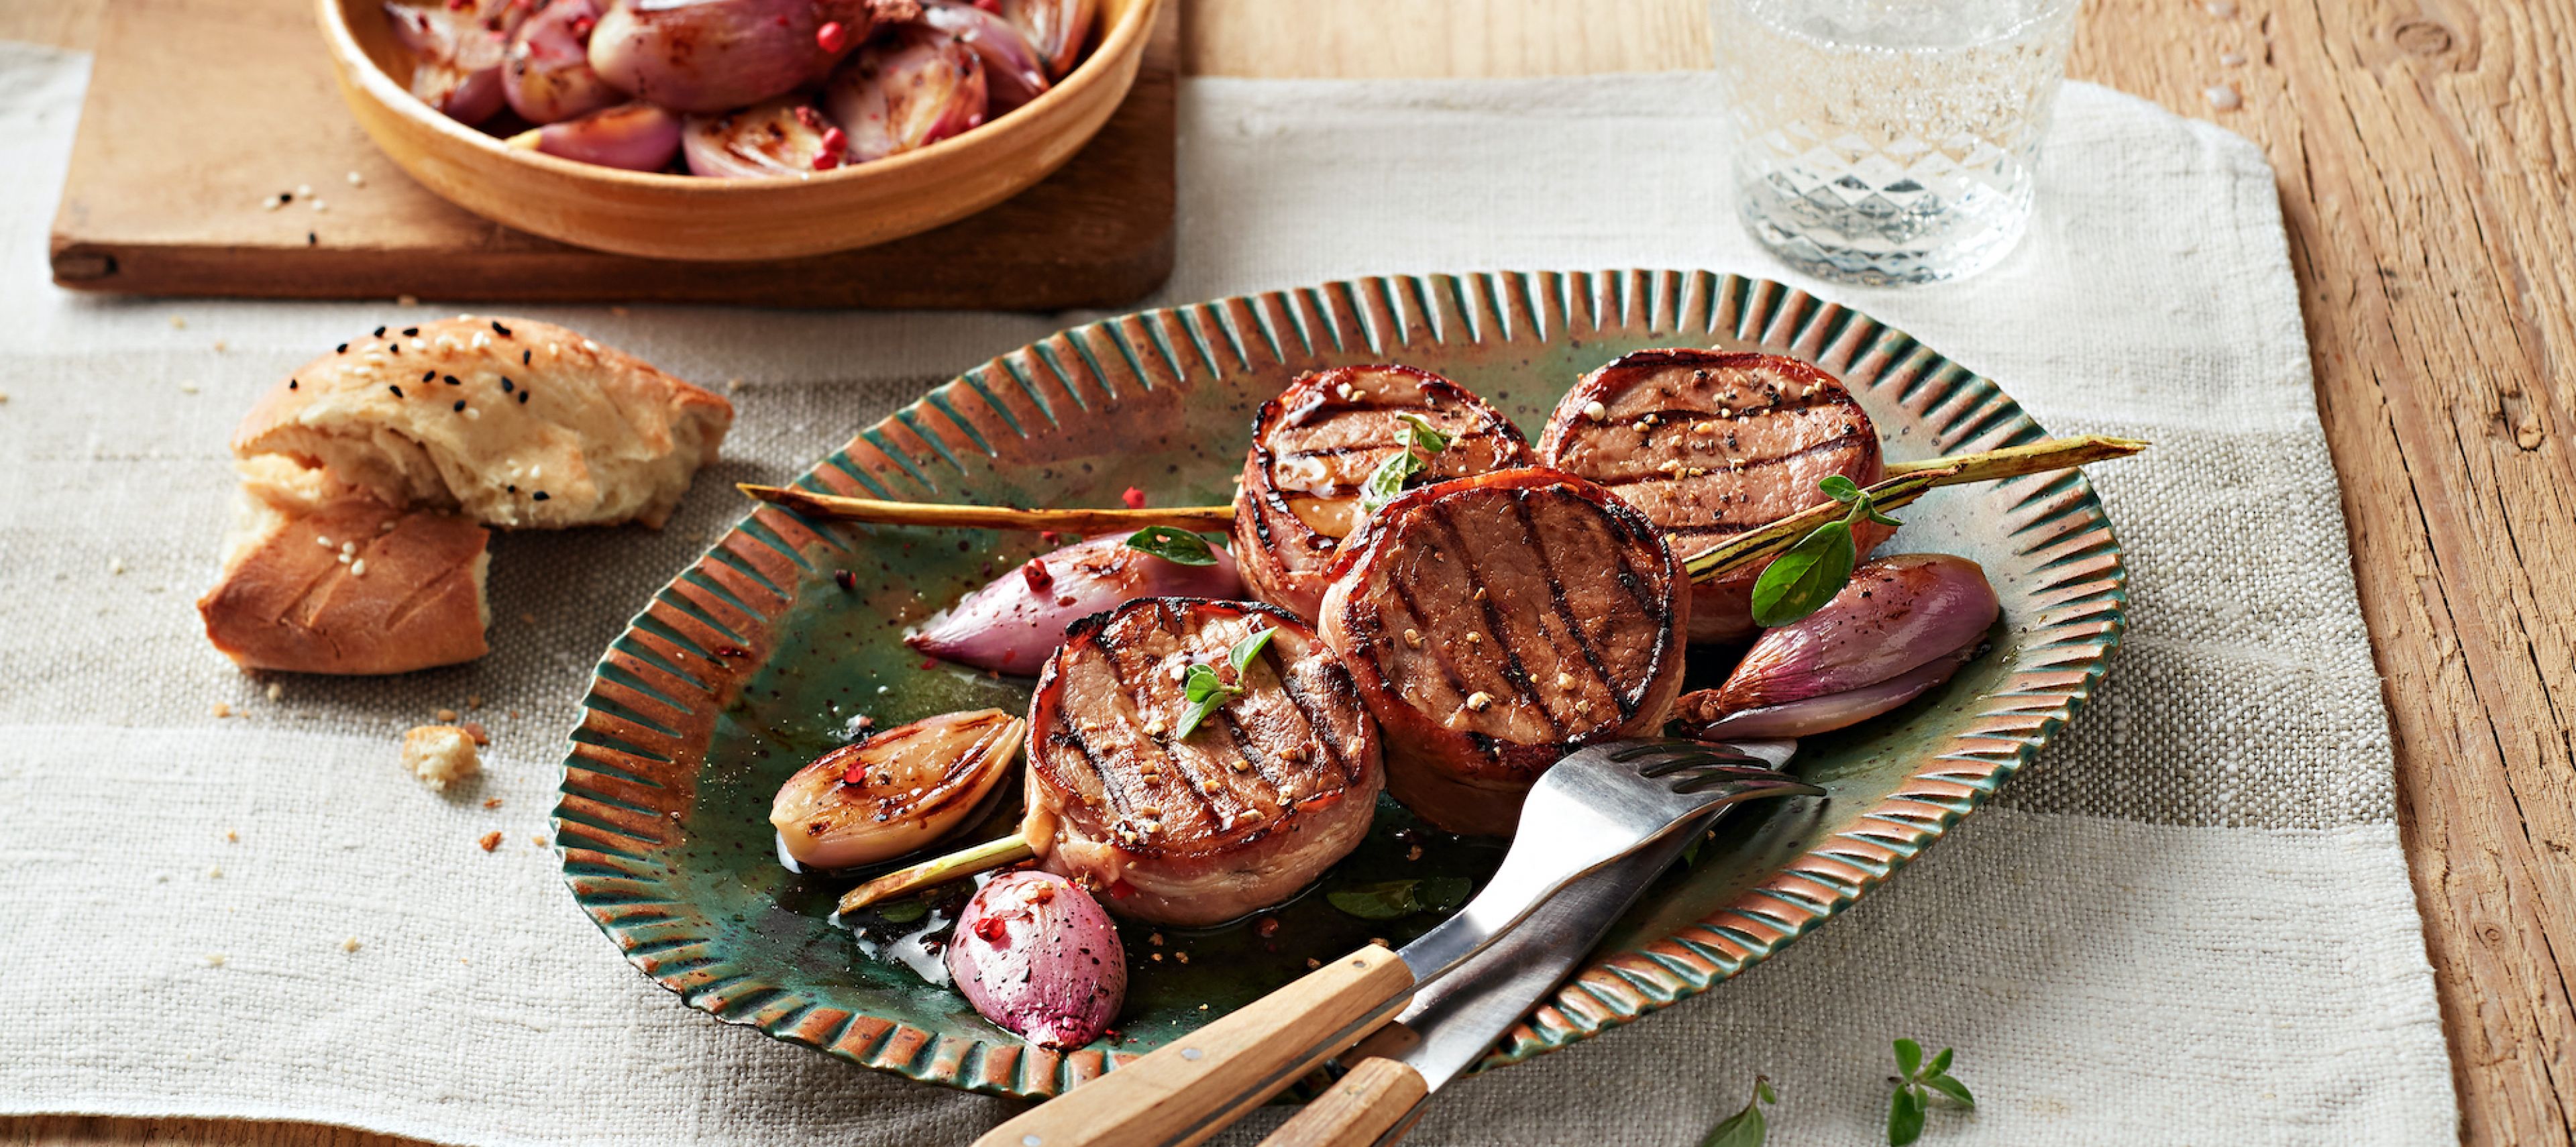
pixel 2426 151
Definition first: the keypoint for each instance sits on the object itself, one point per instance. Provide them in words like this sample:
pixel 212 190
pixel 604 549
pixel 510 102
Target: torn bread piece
pixel 513 422
pixel 345 585
pixel 441 755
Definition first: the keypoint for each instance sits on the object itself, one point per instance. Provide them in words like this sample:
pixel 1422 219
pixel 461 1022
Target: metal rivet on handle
pixel 1030 1141
pixel 1189 1053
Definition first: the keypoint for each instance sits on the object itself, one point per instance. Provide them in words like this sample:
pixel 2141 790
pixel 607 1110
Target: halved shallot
pixel 456 51
pixel 1056 28
pixel 546 70
pixel 1012 624
pixel 1014 72
pixel 712 55
pixel 906 91
pixel 1035 954
pixel 898 791
pixel 785 136
pixel 1902 625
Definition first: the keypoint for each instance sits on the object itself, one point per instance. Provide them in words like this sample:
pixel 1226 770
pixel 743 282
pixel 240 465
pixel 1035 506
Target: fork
pixel 1596 805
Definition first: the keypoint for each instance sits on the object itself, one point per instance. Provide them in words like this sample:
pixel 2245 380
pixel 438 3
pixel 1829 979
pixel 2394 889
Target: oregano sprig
pixel 1173 545
pixel 1917 1082
pixel 1801 580
pixel 1422 443
pixel 1746 1128
pixel 1206 691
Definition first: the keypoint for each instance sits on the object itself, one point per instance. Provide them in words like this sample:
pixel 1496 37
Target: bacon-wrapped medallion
pixel 1277 783
pixel 1709 444
pixel 1498 622
pixel 1315 444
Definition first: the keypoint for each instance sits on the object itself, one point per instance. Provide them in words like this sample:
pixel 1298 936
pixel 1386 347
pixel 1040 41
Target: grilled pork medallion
pixel 1498 622
pixel 1273 786
pixel 1709 444
pixel 1315 444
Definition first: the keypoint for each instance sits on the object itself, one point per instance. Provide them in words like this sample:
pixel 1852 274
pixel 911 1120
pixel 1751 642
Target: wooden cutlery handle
pixel 1375 1099
pixel 1194 1086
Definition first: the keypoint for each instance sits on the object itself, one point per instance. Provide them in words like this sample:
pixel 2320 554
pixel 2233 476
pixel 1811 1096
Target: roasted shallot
pixel 456 52
pixel 546 71
pixel 1902 625
pixel 1013 623
pixel 634 137
pixel 1035 954
pixel 895 792
pixel 906 91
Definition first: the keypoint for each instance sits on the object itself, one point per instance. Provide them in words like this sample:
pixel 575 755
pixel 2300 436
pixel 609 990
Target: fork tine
pixel 1741 787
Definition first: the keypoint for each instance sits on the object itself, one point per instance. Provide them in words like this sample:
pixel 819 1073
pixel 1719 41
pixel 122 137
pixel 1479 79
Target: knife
pixel 1454 1021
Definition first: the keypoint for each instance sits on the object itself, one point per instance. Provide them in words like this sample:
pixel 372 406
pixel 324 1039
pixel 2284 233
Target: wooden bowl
pixel 687 217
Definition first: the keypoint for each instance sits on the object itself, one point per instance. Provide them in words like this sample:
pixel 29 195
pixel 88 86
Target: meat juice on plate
pixel 1889 141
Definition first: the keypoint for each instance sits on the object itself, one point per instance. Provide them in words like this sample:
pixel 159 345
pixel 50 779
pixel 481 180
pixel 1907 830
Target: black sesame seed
pixel 523 356
pixel 380 332
pixel 343 349
pixel 460 404
pixel 506 385
pixel 428 375
pixel 451 380
pixel 291 384
pixel 409 332
pixel 514 489
pixel 539 495
pixel 397 391
pixel 312 240
pixel 500 330
pixel 394 347
pixel 523 398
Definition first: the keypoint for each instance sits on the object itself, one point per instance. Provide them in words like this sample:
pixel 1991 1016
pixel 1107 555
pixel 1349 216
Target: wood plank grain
pixel 2427 161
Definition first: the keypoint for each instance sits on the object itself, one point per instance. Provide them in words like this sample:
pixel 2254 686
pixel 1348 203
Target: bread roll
pixel 345 585
pixel 514 422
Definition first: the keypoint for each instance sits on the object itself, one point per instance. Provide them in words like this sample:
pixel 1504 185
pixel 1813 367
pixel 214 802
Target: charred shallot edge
pixel 1906 482
pixel 784 136
pixel 630 137
pixel 1036 955
pixel 896 792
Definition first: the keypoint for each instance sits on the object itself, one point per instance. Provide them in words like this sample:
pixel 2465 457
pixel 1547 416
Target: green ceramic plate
pixel 754 660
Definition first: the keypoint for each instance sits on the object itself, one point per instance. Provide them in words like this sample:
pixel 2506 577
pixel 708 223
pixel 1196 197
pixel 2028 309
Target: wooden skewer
pixel 1075 521
pixel 2010 462
pixel 957 865
pixel 1906 482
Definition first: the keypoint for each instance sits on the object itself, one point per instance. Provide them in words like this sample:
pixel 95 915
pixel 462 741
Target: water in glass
pixel 1889 141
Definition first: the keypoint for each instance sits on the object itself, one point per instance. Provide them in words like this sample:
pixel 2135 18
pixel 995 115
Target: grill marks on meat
pixel 1275 786
pixel 1709 444
pixel 1497 622
pixel 1315 445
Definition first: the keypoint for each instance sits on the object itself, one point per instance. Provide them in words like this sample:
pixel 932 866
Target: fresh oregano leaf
pixel 1206 692
pixel 1909 1058
pixel 1421 444
pixel 1745 1128
pixel 1904 1117
pixel 1940 1064
pixel 1801 581
pixel 1173 545
pixel 1378 900
pixel 1442 893
pixel 1839 488
pixel 903 911
pixel 1955 1090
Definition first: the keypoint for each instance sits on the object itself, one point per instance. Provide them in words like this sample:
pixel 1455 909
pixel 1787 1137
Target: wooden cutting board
pixel 200 110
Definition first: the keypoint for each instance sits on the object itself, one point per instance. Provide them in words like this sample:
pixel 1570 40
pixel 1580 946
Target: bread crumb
pixel 276 692
pixel 1313 963
pixel 491 840
pixel 115 566
pixel 440 755
pixel 406 300
pixel 539 840
pixel 1413 853
pixel 527 619
pixel 222 710
pixel 178 323
pixel 1183 957
pixel 187 388
pixel 475 730
pixel 473 700
pixel 215 872
pixel 620 312
pixel 447 716
pixel 232 836
pixel 215 960
pixel 349 945
pixel 494 802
